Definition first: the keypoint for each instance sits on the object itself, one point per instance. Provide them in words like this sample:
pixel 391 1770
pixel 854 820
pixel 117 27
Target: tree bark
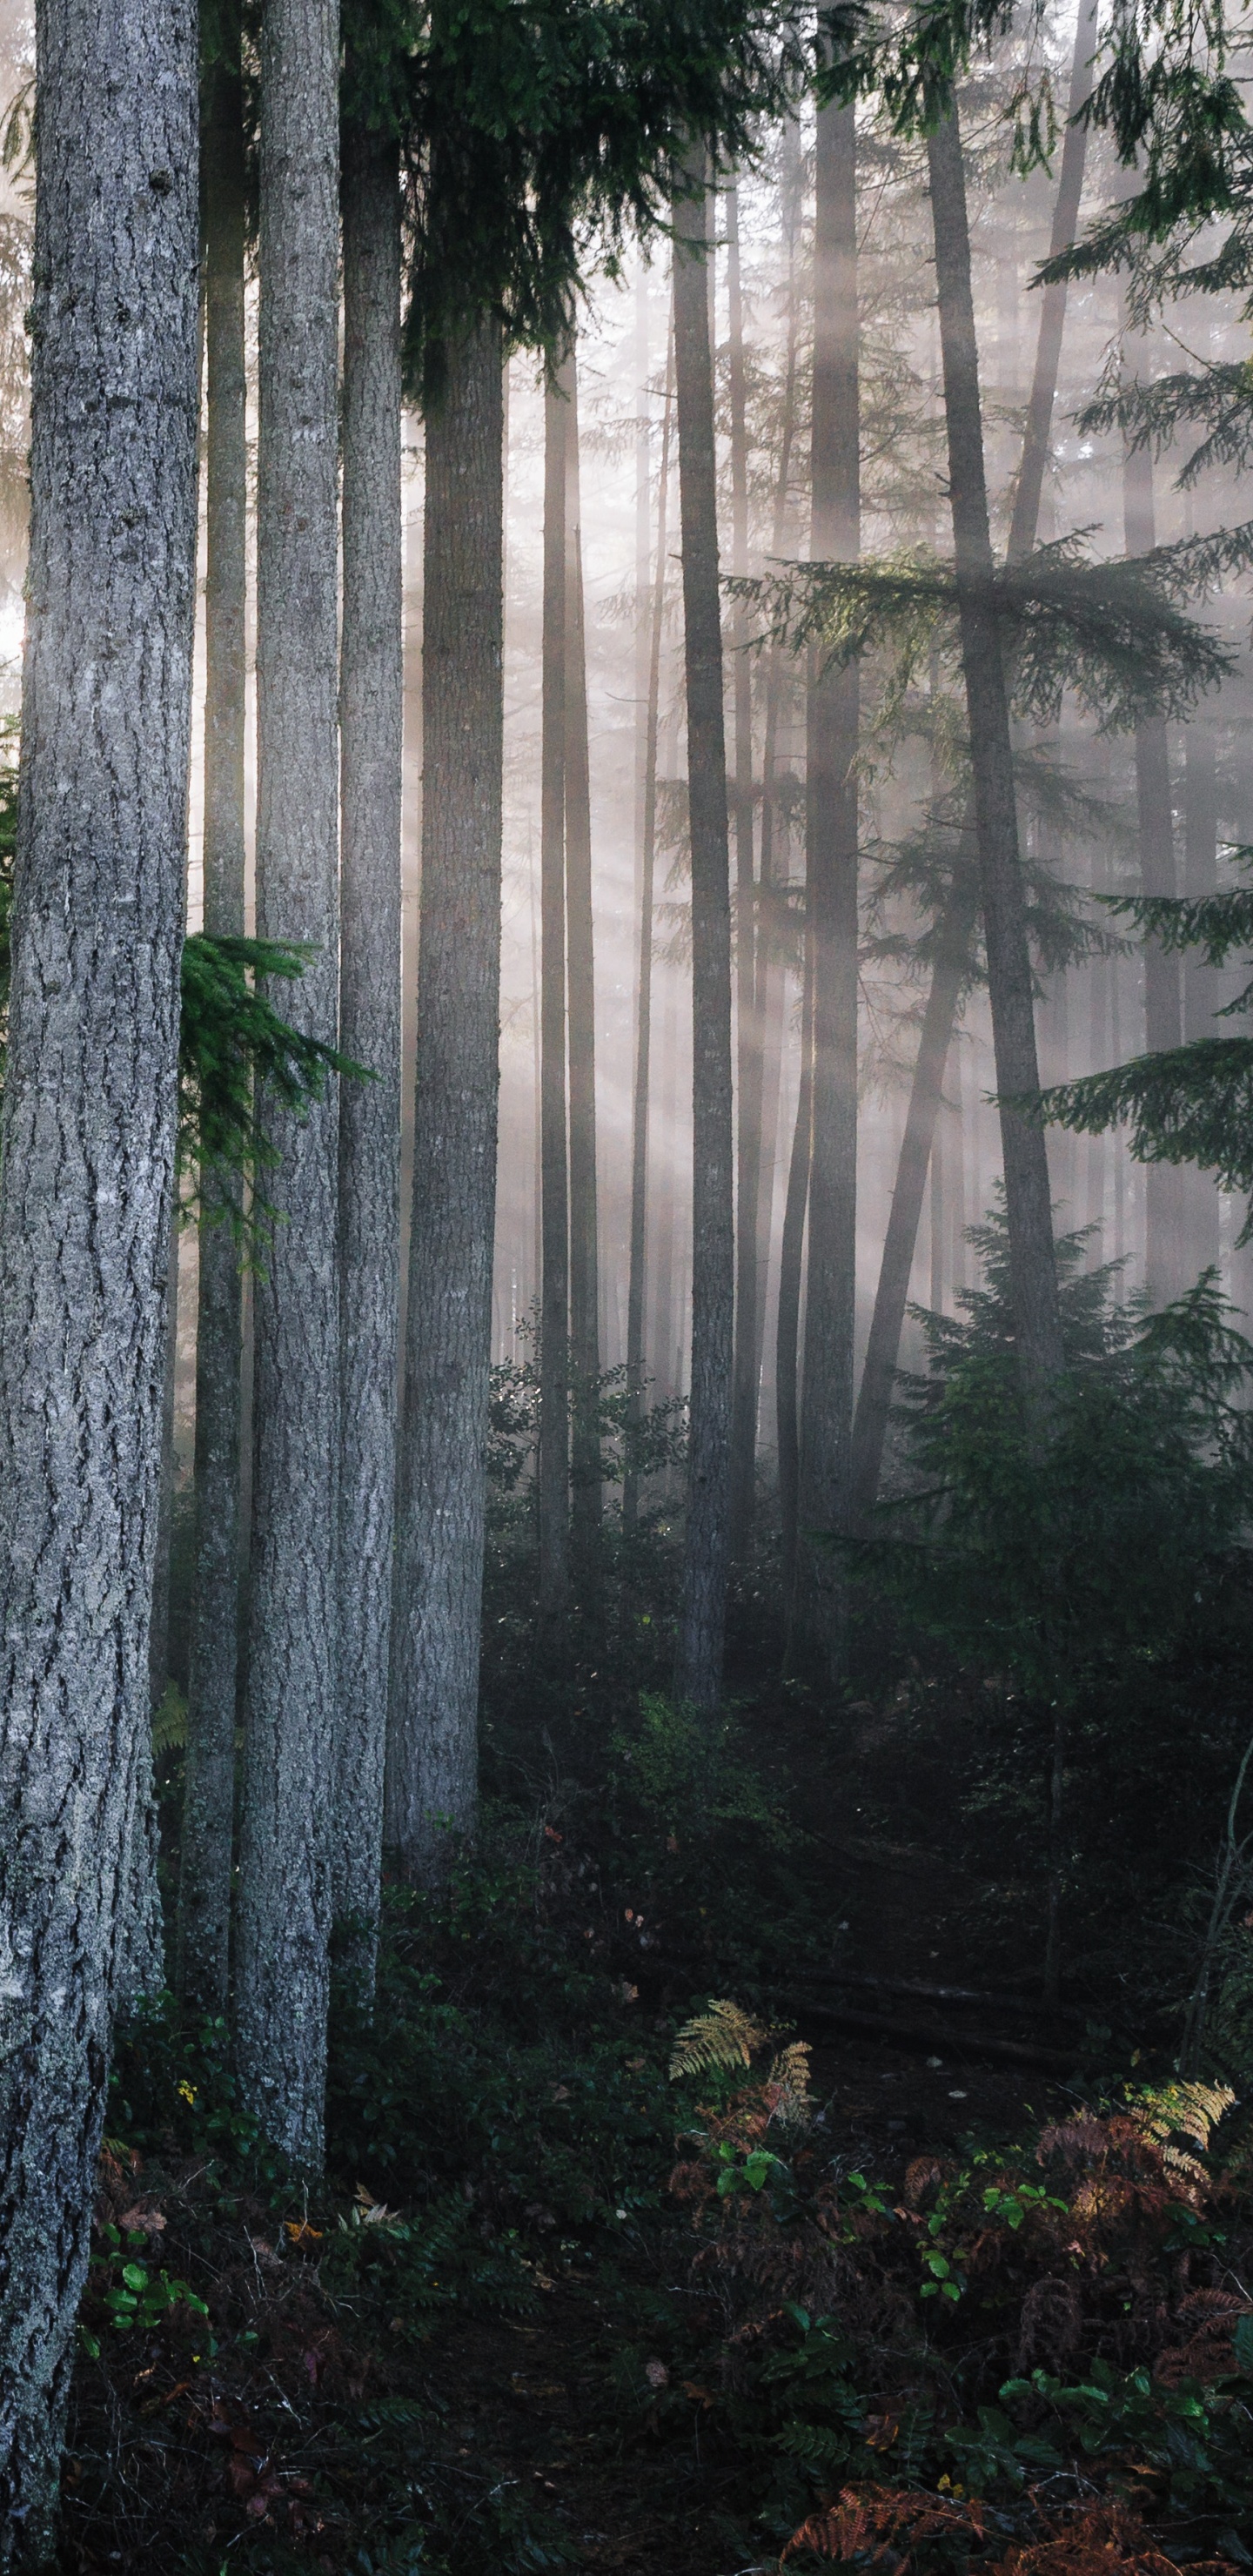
pixel 432 1770
pixel 1033 1267
pixel 1164 1187
pixel 204 1894
pixel 831 910
pixel 554 1448
pixel 86 1174
pixel 1200 997
pixel 371 769
pixel 581 987
pixel 284 1869
pixel 702 1616
pixel 791 1254
pixel 746 1361
pixel 644 999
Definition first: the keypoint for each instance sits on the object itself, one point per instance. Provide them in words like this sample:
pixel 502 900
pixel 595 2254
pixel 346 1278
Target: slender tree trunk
pixel 284 1871
pixel 746 1363
pixel 702 1617
pixel 831 908
pixel 1163 995
pixel 666 1335
pixel 86 1173
pixel 892 1293
pixel 581 986
pixel 644 1003
pixel 790 1272
pixel 1033 1267
pixel 371 768
pixel 204 1894
pixel 1200 999
pixel 432 1754
pixel 554 1453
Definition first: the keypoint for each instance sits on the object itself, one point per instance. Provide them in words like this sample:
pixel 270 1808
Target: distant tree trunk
pixel 204 1893
pixel 1164 1188
pixel 702 1616
pixel 892 1294
pixel 371 753
pixel 284 1866
pixel 746 1363
pixel 644 1003
pixel 1033 1267
pixel 1200 999
pixel 581 974
pixel 790 1268
pixel 666 1334
pixel 831 909
pixel 554 1450
pixel 86 1173
pixel 432 1773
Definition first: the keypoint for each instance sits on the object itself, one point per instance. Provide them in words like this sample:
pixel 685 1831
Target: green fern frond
pixel 1167 2112
pixel 724 2036
pixel 169 1723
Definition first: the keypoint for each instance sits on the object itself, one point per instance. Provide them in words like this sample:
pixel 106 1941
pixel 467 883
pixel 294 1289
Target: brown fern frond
pixel 1187 2110
pixel 723 2036
pixel 882 2527
pixel 787 2086
pixel 1101 2537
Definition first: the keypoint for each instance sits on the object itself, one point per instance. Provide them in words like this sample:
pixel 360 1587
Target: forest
pixel 626 1287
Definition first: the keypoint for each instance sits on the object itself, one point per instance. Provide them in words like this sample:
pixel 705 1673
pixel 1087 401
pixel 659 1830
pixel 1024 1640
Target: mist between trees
pixel 628 666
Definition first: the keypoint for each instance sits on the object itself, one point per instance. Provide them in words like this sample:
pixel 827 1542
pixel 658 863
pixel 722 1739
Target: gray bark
pixel 204 1896
pixel 371 748
pixel 746 1366
pixel 1164 1187
pixel 791 1254
pixel 86 1172
pixel 644 997
pixel 432 1747
pixel 581 988
pixel 284 1867
pixel 554 1450
pixel 831 907
pixel 1200 994
pixel 706 1550
pixel 1033 1267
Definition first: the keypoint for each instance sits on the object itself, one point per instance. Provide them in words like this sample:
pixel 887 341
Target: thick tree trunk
pixel 204 1895
pixel 284 1870
pixel 746 1361
pixel 371 715
pixel 581 986
pixel 1033 1268
pixel 831 910
pixel 432 1776
pixel 1164 1185
pixel 791 1254
pixel 702 1616
pixel 86 1172
pixel 554 1449
pixel 644 998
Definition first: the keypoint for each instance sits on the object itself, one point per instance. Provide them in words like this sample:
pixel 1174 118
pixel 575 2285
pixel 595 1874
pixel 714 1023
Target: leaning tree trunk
pixel 371 754
pixel 746 1360
pixel 702 1615
pixel 644 1006
pixel 554 1445
pixel 432 1760
pixel 957 924
pixel 1164 1185
pixel 1033 1266
pixel 581 973
pixel 86 1174
pixel 284 1869
pixel 204 1892
pixel 831 909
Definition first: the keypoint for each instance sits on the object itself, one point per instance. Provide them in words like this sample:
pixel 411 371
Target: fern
pixel 787 2085
pixel 1182 2109
pixel 169 1723
pixel 725 2035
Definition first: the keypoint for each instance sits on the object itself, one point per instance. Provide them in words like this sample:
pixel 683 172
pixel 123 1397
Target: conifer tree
pixel 89 1133
pixel 581 1015
pixel 554 1454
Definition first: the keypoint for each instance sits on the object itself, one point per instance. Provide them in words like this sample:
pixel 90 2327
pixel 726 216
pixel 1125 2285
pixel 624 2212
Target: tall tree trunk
pixel 892 1293
pixel 1200 998
pixel 86 1173
pixel 746 1364
pixel 1163 995
pixel 581 986
pixel 554 1451
pixel 644 1001
pixel 204 1893
pixel 831 907
pixel 432 1776
pixel 1033 1267
pixel 790 1270
pixel 371 758
pixel 702 1616
pixel 284 1868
